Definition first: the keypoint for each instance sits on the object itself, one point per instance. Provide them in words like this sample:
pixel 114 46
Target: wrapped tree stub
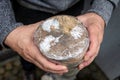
pixel 62 39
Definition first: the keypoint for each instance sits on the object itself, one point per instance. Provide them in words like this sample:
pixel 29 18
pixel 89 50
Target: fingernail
pixel 81 66
pixel 66 70
pixel 64 67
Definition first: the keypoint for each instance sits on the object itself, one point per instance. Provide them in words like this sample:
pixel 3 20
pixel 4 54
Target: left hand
pixel 95 26
pixel 21 40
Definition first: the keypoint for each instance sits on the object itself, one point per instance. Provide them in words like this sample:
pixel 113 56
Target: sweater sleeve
pixel 104 8
pixel 7 20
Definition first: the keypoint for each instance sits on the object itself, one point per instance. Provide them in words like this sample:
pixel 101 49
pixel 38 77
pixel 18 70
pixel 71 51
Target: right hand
pixel 95 26
pixel 21 40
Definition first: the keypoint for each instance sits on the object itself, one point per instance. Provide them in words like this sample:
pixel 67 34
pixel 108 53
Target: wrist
pixel 11 35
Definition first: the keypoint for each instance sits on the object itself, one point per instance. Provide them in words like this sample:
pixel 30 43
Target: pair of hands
pixel 21 40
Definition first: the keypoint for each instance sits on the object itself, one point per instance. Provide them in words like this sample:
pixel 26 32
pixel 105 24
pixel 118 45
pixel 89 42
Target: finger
pixel 41 60
pixel 82 19
pixel 101 32
pixel 94 44
pixel 86 63
pixel 27 58
pixel 49 70
pixel 46 67
pixel 38 23
pixel 51 66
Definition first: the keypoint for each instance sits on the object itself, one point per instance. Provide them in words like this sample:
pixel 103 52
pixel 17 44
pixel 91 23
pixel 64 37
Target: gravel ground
pixel 11 70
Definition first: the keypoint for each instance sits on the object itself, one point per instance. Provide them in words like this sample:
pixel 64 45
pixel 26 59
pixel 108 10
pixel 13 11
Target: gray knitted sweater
pixel 8 23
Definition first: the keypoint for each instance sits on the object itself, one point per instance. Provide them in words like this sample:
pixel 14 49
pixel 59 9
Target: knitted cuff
pixel 5 31
pixel 103 8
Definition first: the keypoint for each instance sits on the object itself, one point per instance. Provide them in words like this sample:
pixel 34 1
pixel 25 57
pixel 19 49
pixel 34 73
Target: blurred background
pixel 10 68
pixel 102 68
